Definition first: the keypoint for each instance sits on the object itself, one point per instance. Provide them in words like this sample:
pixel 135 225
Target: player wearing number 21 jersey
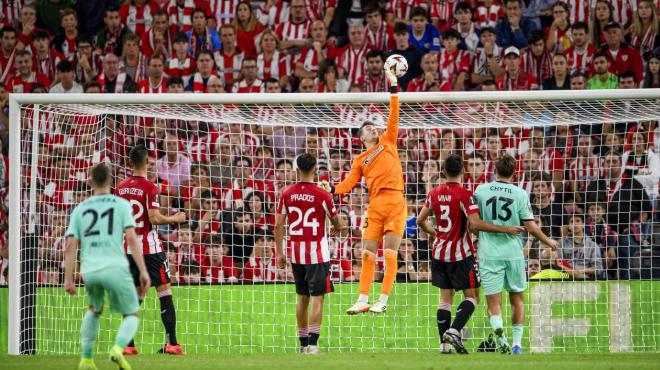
pixel 142 194
pixel 306 207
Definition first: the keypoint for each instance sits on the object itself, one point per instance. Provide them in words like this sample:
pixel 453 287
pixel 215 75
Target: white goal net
pixel 589 161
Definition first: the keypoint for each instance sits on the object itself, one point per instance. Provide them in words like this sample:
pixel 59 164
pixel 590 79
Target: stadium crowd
pixel 594 188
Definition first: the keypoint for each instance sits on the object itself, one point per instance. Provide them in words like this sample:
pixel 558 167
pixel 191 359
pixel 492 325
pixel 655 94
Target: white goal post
pixel 459 112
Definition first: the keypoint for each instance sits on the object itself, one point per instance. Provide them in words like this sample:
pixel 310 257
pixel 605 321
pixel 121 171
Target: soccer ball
pixel 397 64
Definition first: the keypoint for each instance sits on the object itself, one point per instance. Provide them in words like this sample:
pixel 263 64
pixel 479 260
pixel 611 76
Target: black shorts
pixel 459 275
pixel 312 279
pixel 157 267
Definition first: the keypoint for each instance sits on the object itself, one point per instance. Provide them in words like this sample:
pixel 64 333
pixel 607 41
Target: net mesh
pixel 223 164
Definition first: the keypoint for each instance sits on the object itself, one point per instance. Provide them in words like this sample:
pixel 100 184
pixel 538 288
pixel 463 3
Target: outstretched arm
pixel 349 182
pixel 392 132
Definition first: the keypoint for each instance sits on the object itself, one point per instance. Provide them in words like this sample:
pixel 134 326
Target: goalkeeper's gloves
pixel 391 77
pixel 327 187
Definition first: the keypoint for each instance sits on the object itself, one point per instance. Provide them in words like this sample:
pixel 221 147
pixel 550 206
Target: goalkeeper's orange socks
pixel 367 274
pixel 391 268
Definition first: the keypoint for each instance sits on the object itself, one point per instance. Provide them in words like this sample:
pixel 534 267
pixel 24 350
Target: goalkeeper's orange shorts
pixel 386 214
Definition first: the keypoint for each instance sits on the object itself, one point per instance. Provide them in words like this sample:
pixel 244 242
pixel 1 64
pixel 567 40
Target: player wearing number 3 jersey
pixel 142 194
pixel 306 207
pixel 386 215
pixel 501 259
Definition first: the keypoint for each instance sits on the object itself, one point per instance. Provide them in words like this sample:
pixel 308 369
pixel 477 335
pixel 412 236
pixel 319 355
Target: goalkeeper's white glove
pixel 391 77
pixel 326 186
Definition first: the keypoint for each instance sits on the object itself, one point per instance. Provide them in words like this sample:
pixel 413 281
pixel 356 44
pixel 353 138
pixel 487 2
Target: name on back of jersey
pixel 501 188
pixel 302 197
pixel 131 191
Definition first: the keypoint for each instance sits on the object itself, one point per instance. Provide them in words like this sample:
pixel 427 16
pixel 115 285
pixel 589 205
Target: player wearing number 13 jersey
pixel 306 206
pixel 500 256
pixel 453 266
pixel 142 194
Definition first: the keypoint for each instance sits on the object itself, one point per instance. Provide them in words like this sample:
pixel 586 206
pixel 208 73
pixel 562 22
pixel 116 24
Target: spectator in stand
pixel 530 166
pixel 467 29
pixel 539 12
pixel 137 15
pixel 201 37
pixel 596 227
pixel 581 53
pixel 111 79
pixel 44 58
pixel 180 64
pixel 374 80
pixel 187 250
pixel 155 83
pixel 158 39
pixel 543 203
pixel 65 41
pixel 641 160
pixel 602 13
pixel 307 85
pixel 454 64
pixel 173 166
pixel 652 73
pixel 307 63
pixel 488 13
pixel 352 60
pixel 260 265
pixel 327 77
pixel 67 83
pixel 408 269
pixel 423 35
pixel 627 80
pixel 289 141
pixel 580 250
pixel 27 26
pixel 249 84
pixel 644 33
pixel 628 207
pixel 239 235
pixel 191 272
pixel 379 34
pixel 294 32
pixel 49 14
pixel 487 63
pixel 623 57
pixel 578 81
pixel 514 78
pixel 92 87
pixel 583 169
pixel 271 63
pixel 174 85
pixel 134 63
pixel 559 79
pixel 513 28
pixel 206 218
pixel 178 12
pixel 221 267
pixel 109 38
pixel 87 62
pixel 8 51
pixel 215 85
pixel 412 54
pixel 429 80
pixel 602 78
pixel 25 77
pixel 558 35
pixel 273 12
pixel 228 59
pixel 537 60
pixel 262 214
pixel 247 27
pixel 205 69
pixel 4 110
pixel 221 163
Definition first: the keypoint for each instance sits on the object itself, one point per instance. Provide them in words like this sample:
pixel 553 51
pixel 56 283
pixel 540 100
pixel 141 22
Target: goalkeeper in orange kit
pixel 386 214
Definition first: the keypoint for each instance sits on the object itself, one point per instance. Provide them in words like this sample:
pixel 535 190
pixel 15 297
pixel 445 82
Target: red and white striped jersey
pixel 623 10
pixel 138 19
pixel 379 84
pixel 176 68
pixel 339 138
pixel 580 61
pixel 480 65
pixel 310 60
pixel 223 10
pixel 289 31
pixel 143 196
pixel 47 66
pixel 525 183
pixel 180 16
pixel 69 47
pixel 380 39
pixel 260 269
pixel 583 171
pixel 563 39
pixel 146 87
pixel 551 160
pixel 228 66
pixel 444 11
pixel 452 64
pixel 306 207
pixel 242 87
pixel 540 67
pixel 488 16
pixel 10 11
pixel 471 183
pixel 275 16
pixel 199 148
pixel 7 65
pixel 353 62
pixel 315 9
pixel 451 203
pixel 18 84
pixel 245 143
pixel 221 271
pixel 147 44
pixel 578 10
pixel 275 67
pixel 401 9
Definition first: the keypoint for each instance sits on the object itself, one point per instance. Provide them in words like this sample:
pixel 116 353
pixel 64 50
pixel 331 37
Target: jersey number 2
pixel 91 231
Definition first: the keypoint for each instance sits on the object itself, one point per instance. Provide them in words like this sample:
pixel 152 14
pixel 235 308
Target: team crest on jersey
pixel 624 57
pixel 373 155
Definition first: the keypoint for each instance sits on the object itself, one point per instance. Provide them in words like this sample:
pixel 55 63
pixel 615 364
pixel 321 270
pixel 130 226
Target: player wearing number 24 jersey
pixel 142 194
pixel 306 207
